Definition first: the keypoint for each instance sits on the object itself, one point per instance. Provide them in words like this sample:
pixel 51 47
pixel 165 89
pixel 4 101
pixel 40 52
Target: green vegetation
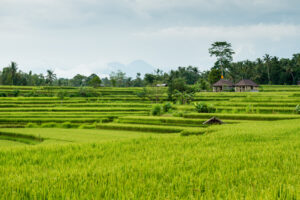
pixel 297 109
pixel 64 143
pixel 204 108
pixel 157 110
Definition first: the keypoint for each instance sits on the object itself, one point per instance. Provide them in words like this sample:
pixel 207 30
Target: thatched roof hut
pixel 246 86
pixel 222 85
pixel 213 120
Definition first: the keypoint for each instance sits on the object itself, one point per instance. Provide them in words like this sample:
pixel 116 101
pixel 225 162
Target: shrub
pixel 297 109
pixel 15 93
pixel 167 106
pixel 204 108
pixel 31 125
pixel 66 125
pixel 49 125
pixel 178 114
pixel 191 132
pixel 156 110
pixel 2 94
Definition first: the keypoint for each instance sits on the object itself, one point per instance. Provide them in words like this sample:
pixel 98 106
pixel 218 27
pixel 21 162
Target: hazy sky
pixel 85 36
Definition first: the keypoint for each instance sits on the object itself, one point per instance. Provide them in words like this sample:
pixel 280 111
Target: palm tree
pixel 50 77
pixel 289 70
pixel 267 59
pixel 13 70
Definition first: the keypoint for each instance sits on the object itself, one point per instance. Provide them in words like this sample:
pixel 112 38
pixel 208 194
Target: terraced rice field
pixel 110 147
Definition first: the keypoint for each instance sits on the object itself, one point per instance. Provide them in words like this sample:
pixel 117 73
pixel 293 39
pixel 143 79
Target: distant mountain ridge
pixel 131 69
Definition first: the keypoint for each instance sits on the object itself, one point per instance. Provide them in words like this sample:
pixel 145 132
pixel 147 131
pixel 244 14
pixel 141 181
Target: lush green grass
pixel 108 147
pixel 54 135
pixel 242 161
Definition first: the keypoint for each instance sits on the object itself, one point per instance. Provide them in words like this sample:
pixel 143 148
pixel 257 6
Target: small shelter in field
pixel 213 120
pixel 246 86
pixel 223 85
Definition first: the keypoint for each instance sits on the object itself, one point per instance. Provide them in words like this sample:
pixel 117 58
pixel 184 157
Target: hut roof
pixel 246 82
pixel 213 120
pixel 223 82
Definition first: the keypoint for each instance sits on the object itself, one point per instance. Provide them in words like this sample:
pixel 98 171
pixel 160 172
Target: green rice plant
pixel 23 138
pixel 234 111
pixel 191 132
pixel 251 160
pixel 256 117
pixel 144 128
pixel 257 110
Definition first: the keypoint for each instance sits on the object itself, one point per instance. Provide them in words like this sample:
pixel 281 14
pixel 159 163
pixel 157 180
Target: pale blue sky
pixel 85 36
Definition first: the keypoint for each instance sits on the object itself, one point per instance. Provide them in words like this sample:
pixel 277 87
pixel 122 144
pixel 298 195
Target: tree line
pixel 265 70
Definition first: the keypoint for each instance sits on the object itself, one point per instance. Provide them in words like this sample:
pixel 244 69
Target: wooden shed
pixel 246 86
pixel 223 86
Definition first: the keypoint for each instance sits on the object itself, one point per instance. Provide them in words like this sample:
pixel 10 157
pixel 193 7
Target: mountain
pixel 132 68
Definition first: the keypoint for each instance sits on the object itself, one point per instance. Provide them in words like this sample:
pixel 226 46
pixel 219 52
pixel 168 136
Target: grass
pixel 108 147
pixel 251 161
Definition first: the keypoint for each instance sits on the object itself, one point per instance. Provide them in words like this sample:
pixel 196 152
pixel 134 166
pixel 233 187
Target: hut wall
pixel 217 89
pixel 245 88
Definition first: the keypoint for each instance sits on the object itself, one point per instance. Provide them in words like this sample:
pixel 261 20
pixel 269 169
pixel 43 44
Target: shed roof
pixel 223 82
pixel 246 82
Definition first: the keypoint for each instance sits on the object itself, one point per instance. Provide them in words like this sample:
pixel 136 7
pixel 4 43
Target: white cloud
pixel 82 36
pixel 260 31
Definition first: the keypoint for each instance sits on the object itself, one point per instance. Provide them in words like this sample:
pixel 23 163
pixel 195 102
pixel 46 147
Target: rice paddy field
pixel 111 147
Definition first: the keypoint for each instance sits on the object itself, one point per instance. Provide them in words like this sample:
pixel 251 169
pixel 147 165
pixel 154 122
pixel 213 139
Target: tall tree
pixel 95 81
pixel 14 68
pixel 223 52
pixel 50 77
pixel 267 59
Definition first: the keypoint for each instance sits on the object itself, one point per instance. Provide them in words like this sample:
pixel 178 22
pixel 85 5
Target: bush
pixel 297 109
pixel 178 114
pixel 15 93
pixel 167 106
pixel 49 125
pixel 191 132
pixel 2 94
pixel 156 110
pixel 204 108
pixel 67 125
pixel 31 125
